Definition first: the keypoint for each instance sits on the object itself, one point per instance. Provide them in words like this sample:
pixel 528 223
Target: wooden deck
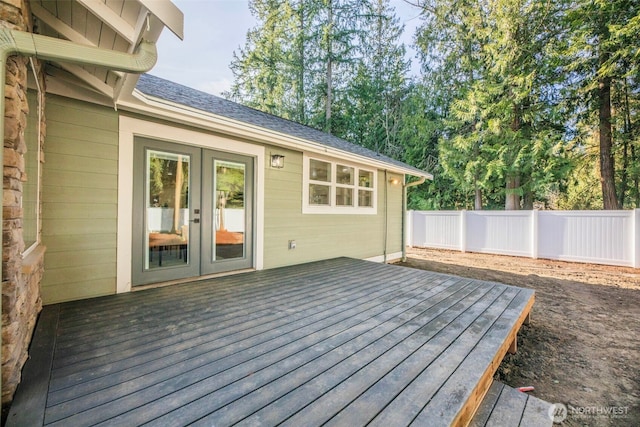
pixel 340 342
pixel 506 406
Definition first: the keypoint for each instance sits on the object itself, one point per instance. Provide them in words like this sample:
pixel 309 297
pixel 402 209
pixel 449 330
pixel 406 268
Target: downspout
pixel 404 214
pixel 14 42
pixel 386 218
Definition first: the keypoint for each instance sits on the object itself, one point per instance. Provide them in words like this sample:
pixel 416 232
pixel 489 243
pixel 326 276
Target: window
pixel 338 188
pixel 30 189
pixel 320 183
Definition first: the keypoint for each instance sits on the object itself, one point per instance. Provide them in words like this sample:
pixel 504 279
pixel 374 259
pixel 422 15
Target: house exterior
pixel 116 180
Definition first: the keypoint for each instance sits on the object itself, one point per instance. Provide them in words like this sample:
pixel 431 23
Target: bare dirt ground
pixel 582 347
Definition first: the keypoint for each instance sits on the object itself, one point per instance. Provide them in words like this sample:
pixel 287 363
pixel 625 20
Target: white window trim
pixel 334 209
pixel 38 241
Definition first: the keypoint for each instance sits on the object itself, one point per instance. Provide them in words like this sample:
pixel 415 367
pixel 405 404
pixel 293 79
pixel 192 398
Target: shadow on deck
pixel 339 342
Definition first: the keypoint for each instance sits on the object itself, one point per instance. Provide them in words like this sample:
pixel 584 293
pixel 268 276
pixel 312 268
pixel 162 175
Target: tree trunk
pixel 607 166
pixel 177 195
pixel 527 201
pixel 512 198
pixel 329 77
pixel 636 178
pixel 301 45
pixel 628 137
pixel 478 199
pixel 512 187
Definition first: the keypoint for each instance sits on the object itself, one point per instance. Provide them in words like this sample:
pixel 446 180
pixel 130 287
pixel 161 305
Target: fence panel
pixel 495 232
pixel 433 229
pixel 602 237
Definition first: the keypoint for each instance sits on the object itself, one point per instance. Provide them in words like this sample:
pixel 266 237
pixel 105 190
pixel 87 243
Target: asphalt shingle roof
pixel 174 92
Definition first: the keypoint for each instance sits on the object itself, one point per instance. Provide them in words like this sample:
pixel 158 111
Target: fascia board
pixel 161 108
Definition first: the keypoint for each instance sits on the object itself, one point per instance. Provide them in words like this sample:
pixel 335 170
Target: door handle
pixel 195 220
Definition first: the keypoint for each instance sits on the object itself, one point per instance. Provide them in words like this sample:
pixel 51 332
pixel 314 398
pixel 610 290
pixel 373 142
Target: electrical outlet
pixel 292 244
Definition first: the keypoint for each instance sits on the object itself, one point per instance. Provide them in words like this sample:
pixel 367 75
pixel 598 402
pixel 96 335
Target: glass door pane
pixel 167 209
pixel 229 214
pixel 166 200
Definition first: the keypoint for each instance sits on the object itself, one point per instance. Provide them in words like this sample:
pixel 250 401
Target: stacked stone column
pixel 21 274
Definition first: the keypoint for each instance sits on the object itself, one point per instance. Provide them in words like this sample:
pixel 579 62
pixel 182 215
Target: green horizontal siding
pixel 79 208
pixel 79 200
pixel 323 236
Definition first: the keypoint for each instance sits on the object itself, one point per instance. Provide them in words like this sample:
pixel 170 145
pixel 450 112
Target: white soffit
pixel 117 25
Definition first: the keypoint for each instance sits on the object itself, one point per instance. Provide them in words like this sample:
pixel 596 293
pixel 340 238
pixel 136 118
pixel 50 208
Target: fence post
pixel 534 234
pixel 463 230
pixel 635 238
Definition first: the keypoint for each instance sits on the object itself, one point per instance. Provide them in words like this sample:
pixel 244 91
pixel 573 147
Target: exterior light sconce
pixel 394 181
pixel 277 161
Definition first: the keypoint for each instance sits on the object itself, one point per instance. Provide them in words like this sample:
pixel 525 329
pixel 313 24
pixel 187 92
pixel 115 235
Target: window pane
pixel 365 198
pixel 319 171
pixel 344 196
pixel 344 175
pixel 365 179
pixel 319 194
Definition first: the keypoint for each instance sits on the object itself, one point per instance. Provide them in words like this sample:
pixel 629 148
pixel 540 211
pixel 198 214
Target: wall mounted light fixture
pixel 277 161
pixel 394 181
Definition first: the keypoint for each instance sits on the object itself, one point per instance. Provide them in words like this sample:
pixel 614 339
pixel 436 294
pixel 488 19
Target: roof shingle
pixel 174 92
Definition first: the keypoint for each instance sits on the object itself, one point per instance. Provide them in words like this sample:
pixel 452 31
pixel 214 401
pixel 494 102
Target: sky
pixel 213 30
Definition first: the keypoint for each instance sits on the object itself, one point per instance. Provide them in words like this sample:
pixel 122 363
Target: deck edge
pixel 30 400
pixel 465 415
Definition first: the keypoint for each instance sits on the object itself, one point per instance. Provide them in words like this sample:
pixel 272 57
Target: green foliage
pixel 506 107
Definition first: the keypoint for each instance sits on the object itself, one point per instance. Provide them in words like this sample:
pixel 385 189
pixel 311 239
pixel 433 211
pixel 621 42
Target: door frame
pixel 129 129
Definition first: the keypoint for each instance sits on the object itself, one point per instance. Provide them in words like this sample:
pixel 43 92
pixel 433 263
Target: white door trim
pixel 132 127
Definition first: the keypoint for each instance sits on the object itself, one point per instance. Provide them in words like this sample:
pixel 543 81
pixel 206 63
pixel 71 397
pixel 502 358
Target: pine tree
pixel 258 67
pixel 601 53
pixel 374 97
pixel 502 126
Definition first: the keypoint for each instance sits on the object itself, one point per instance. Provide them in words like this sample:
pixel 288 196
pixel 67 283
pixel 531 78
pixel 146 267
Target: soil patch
pixel 582 346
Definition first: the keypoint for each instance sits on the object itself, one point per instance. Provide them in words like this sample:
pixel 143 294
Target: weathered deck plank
pixel 506 406
pixel 200 374
pixel 196 327
pixel 35 379
pixel 341 362
pixel 343 342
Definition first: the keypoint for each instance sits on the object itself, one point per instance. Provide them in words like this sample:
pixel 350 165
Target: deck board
pixel 341 342
pixel 506 406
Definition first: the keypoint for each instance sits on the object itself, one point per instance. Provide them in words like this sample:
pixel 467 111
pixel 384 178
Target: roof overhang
pixel 162 109
pixel 118 26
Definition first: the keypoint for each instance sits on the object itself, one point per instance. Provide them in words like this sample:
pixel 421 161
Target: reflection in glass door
pixel 229 213
pixel 167 209
pixel 227 195
pixel 166 191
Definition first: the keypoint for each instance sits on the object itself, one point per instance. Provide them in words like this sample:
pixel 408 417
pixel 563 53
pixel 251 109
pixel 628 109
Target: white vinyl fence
pixel 601 237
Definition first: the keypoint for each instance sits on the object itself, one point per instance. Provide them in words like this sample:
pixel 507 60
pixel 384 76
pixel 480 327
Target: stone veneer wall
pixel 21 300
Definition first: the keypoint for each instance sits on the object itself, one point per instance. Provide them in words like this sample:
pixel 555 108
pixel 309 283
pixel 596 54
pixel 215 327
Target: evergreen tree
pixel 260 71
pixel 503 129
pixel 374 97
pixel 601 53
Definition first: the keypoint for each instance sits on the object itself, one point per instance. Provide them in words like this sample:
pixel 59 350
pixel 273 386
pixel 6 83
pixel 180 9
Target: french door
pixel 193 212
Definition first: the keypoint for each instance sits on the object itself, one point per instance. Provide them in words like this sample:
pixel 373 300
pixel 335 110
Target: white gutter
pixel 404 213
pixel 51 49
